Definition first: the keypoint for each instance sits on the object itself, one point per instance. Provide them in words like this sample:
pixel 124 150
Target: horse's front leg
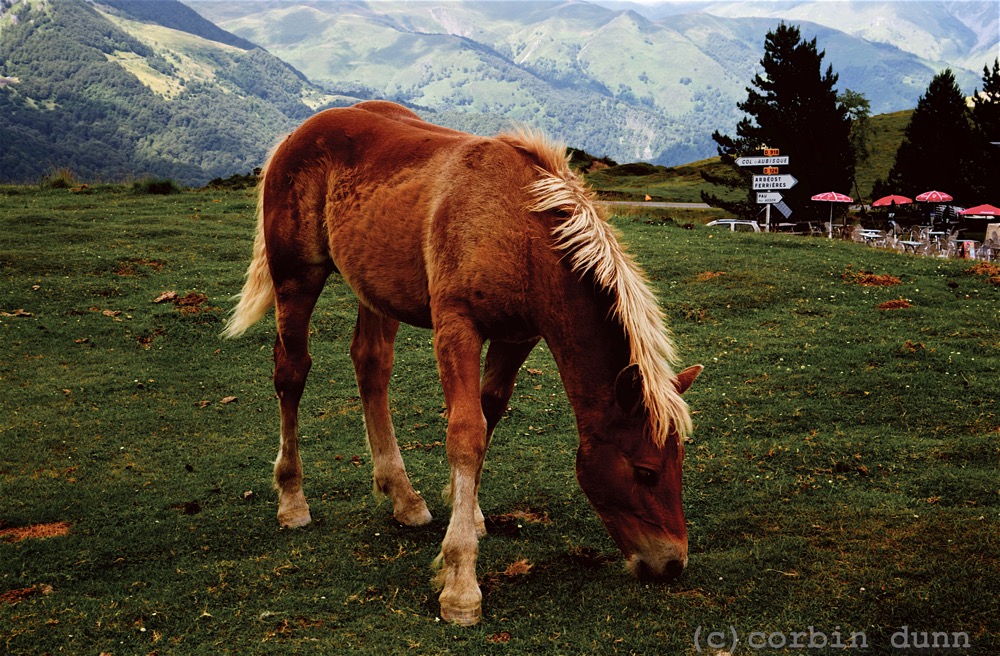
pixel 372 354
pixel 503 360
pixel 458 348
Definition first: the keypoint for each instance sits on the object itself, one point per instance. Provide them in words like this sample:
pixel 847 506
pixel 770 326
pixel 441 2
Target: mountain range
pixel 633 82
pixel 200 89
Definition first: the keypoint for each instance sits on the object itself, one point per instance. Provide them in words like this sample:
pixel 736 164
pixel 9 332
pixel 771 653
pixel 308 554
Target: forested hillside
pixel 113 96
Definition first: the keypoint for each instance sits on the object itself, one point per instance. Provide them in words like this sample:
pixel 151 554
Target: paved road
pixel 650 203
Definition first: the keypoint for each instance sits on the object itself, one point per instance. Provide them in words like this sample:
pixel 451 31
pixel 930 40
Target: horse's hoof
pixel 462 616
pixel 294 518
pixel 414 515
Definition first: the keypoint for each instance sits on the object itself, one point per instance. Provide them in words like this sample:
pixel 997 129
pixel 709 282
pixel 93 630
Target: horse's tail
pixel 257 296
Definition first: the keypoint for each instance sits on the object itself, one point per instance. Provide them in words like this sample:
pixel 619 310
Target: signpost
pixel 770 182
pixel 768 198
pixel 762 161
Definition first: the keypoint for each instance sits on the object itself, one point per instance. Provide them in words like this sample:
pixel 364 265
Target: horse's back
pixel 407 210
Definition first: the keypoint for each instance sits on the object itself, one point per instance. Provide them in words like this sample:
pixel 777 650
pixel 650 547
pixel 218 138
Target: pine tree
pixel 986 117
pixel 986 103
pixel 861 134
pixel 793 107
pixel 940 148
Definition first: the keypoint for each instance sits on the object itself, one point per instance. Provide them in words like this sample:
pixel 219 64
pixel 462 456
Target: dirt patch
pixel 193 303
pixel 510 524
pixel 896 304
pixel 146 341
pixel 590 558
pixel 35 532
pixel 190 303
pixel 986 269
pixel 12 597
pixel 708 275
pixel 869 279
pixel 136 266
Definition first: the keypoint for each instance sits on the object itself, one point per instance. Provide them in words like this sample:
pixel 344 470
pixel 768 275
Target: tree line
pixel 793 106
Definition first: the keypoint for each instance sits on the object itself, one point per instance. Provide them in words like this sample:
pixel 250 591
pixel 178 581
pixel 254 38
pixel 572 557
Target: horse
pixel 484 241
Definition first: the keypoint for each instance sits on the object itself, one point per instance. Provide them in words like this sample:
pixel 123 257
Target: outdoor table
pixel 872 235
pixel 911 246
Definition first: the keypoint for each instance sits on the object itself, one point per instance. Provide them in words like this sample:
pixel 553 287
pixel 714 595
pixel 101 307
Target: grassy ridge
pixel 683 184
pixel 842 474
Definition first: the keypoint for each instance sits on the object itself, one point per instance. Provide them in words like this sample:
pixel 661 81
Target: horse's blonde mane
pixel 592 246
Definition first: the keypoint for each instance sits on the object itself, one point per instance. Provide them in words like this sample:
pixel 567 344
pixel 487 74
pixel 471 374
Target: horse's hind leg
pixel 372 354
pixel 295 300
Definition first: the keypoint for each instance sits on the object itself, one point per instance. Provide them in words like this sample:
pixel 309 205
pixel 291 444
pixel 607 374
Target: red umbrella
pixel 832 197
pixel 889 200
pixel 934 197
pixel 981 210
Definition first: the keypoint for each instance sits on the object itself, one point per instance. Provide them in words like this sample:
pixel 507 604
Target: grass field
pixel 841 483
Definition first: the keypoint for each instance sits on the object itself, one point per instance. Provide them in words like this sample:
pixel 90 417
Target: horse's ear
pixel 686 378
pixel 628 389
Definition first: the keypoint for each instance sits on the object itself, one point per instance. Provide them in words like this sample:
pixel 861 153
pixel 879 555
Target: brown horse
pixel 480 239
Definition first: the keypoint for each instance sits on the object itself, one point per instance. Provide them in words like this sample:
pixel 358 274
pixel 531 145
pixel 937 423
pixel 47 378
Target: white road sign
pixel 771 182
pixel 784 209
pixel 768 198
pixel 762 161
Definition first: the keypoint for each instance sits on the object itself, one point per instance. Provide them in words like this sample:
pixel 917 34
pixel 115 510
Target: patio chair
pixel 915 241
pixel 990 250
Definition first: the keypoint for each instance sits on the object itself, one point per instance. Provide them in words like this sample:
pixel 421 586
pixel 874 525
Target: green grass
pixel 843 472
pixel 678 184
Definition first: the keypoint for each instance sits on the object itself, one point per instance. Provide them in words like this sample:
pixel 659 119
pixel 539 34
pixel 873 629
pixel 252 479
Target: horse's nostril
pixel 671 571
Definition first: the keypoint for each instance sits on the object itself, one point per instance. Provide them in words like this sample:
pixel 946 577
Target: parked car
pixel 737 225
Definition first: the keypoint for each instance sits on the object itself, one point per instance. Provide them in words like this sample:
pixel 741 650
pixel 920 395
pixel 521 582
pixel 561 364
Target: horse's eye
pixel 646 476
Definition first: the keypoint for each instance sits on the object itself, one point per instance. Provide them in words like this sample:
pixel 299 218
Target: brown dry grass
pixel 35 532
pixel 896 304
pixel 988 269
pixel 869 279
pixel 984 269
pixel 12 597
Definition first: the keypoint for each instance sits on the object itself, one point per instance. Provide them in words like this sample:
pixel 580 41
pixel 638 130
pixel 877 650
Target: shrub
pixel 156 187
pixel 236 181
pixel 60 179
pixel 636 168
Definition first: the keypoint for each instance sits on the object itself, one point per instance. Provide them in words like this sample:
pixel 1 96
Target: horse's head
pixel 635 485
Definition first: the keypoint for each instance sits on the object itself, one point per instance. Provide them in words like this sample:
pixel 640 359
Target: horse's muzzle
pixel 669 571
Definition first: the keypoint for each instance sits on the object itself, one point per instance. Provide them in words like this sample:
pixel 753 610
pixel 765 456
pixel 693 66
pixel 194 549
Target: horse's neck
pixel 589 348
